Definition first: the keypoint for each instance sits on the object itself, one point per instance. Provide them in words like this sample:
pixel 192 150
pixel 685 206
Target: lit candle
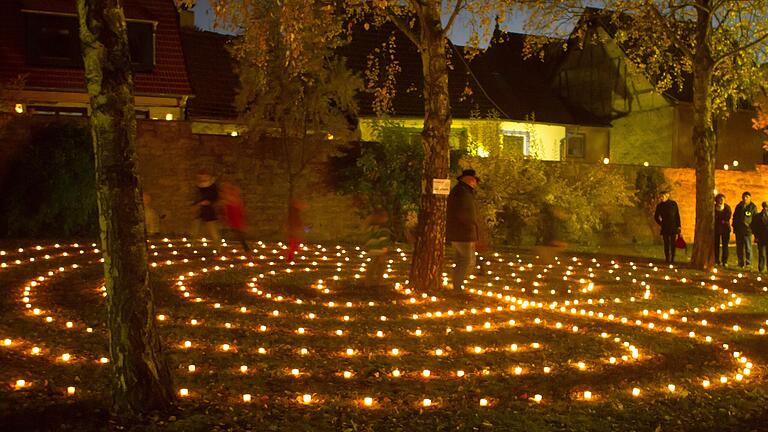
pixel 246 397
pixel 70 390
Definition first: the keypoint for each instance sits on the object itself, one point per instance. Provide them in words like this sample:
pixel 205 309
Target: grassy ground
pixel 554 326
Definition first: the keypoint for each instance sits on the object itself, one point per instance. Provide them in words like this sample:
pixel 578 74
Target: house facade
pixel 647 126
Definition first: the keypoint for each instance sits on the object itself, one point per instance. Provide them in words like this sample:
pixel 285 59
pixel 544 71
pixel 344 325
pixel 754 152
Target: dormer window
pixel 53 40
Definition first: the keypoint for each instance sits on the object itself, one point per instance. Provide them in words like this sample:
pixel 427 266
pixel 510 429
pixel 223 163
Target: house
pixel 647 126
pixel 39 42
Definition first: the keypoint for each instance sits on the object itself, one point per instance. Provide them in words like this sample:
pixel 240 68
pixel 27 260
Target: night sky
pixel 459 34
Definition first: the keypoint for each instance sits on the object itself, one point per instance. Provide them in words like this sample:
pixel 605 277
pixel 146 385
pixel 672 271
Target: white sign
pixel 441 186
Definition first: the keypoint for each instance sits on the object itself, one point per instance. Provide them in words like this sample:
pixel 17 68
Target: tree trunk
pixel 429 250
pixel 704 145
pixel 141 378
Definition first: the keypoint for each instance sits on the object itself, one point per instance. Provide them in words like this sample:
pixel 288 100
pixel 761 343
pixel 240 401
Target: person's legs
pixel 740 249
pixel 293 247
pixel 240 236
pixel 748 250
pixel 464 258
pixel 717 248
pixel 726 238
pixel 762 248
pixel 669 245
pixel 212 229
pixel 672 247
pixel 374 274
pixel 196 228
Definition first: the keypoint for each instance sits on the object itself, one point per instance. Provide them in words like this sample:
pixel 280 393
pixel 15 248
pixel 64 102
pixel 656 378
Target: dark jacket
pixel 742 218
pixel 208 193
pixel 668 217
pixel 461 218
pixel 723 219
pixel 760 227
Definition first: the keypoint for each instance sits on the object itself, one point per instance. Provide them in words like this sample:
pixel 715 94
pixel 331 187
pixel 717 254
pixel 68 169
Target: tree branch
pixel 719 59
pixel 457 8
pixel 669 32
pixel 403 27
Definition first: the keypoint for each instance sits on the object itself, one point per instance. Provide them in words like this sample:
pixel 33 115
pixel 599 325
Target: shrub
pixel 383 174
pixel 552 200
pixel 50 190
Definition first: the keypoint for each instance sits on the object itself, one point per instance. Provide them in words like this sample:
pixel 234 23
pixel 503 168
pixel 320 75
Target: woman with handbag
pixel 667 216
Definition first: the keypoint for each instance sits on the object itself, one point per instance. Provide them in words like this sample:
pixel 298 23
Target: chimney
pixel 186 18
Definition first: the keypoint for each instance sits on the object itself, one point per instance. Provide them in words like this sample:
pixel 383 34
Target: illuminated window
pixel 576 146
pixel 57 111
pixel 517 142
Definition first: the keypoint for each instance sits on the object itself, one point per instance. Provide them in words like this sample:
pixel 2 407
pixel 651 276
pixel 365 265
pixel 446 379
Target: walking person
pixel 208 195
pixel 294 227
pixel 742 228
pixel 233 211
pixel 722 230
pixel 378 244
pixel 461 225
pixel 760 228
pixel 667 215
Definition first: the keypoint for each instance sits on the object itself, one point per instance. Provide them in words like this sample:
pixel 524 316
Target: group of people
pixel 216 201
pixel 745 220
pixel 222 203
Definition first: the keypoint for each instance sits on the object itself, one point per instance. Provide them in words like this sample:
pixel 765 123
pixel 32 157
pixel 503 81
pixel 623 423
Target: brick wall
pixel 170 155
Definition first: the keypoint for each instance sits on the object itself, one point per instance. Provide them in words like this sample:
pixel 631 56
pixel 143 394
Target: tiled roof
pixel 211 73
pixel 169 76
pixel 497 80
pixel 500 79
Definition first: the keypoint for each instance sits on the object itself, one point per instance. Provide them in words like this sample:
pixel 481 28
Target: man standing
pixel 742 222
pixel 722 229
pixel 667 216
pixel 461 224
pixel 760 228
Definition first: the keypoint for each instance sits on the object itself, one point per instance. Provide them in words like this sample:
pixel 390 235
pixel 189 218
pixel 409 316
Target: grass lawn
pixel 557 342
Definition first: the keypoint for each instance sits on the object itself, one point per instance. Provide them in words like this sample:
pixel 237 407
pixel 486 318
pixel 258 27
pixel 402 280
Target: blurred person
pixel 151 218
pixel 208 195
pixel 461 225
pixel 233 212
pixel 378 244
pixel 295 227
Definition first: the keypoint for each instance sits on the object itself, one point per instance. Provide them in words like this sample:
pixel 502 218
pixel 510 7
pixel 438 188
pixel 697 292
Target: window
pixel 141 41
pixel 576 146
pixel 57 111
pixel 53 40
pixel 517 142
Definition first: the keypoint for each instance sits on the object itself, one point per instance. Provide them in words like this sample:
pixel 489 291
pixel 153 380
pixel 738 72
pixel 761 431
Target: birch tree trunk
pixel 704 144
pixel 141 378
pixel 429 250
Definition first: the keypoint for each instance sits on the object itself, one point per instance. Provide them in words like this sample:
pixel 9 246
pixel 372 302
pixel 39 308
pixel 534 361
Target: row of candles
pixel 437 314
